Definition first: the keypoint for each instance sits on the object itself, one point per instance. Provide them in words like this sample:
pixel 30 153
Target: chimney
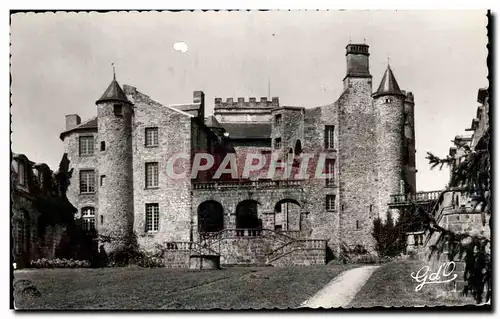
pixel 72 121
pixel 357 57
pixel 199 97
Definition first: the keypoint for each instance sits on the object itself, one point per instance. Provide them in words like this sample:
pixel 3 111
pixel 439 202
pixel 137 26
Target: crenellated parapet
pixel 251 103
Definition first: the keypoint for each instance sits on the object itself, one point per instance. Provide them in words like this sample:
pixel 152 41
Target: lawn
pixel 162 288
pixel 392 286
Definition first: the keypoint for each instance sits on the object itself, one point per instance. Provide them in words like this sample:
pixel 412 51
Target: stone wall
pixel 229 198
pixel 321 222
pixel 301 257
pixel 357 174
pixel 78 163
pixel 173 196
pixel 177 259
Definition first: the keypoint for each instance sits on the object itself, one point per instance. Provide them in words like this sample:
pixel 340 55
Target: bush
pixel 59 263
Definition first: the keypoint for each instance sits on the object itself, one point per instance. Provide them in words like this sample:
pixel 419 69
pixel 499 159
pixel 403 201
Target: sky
pixel 61 64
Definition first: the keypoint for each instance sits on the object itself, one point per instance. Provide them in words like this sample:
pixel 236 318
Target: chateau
pixel 122 188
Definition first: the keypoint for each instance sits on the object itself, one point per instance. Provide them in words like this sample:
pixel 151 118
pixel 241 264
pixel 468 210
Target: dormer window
pixel 117 109
pixel 23 176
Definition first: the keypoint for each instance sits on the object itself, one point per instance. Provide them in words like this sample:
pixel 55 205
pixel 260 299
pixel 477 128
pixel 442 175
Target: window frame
pixel 90 148
pixel 152 218
pixel 277 143
pixel 152 129
pixel 90 172
pixel 118 110
pixel 328 202
pixel 22 172
pixel 330 179
pixel 88 219
pixel 278 119
pixel 154 177
pixel 329 136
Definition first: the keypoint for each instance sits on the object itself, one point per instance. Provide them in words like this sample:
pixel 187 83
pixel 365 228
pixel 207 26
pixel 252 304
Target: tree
pixel 472 173
pixel 390 236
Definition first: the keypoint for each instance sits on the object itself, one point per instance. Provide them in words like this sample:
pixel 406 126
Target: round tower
pixel 114 119
pixel 388 102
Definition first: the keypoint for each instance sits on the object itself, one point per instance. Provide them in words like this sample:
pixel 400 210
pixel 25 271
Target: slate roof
pixel 89 125
pixel 248 130
pixel 212 122
pixel 113 93
pixel 388 85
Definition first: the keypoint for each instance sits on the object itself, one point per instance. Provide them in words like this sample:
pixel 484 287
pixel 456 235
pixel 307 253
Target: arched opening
pixel 287 215
pixel 298 147
pixel 210 217
pixel 247 217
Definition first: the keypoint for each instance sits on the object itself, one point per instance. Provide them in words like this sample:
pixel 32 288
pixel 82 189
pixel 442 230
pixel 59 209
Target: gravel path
pixel 341 290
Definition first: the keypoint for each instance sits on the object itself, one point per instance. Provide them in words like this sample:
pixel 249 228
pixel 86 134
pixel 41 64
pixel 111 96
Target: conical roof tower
pixel 388 85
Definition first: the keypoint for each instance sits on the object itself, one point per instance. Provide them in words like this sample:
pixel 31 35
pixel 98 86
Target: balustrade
pixel 246 184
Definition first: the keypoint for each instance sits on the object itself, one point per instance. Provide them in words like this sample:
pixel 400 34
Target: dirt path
pixel 341 290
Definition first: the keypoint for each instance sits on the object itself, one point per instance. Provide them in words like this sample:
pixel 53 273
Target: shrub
pixel 59 263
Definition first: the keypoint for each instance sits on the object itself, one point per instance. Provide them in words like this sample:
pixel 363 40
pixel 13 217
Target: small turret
pixel 113 93
pixel 388 85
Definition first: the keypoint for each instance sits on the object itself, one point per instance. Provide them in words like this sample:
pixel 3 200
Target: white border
pixel 185 4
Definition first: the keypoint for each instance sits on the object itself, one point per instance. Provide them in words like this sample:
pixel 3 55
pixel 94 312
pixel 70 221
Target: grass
pixel 392 286
pixel 162 288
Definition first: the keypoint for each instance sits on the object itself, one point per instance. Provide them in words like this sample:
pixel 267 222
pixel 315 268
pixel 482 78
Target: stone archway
pixel 210 217
pixel 247 216
pixel 287 215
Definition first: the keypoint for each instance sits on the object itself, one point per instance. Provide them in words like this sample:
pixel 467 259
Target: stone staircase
pixel 265 247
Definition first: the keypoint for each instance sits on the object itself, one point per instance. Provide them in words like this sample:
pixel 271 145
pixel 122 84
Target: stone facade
pixel 365 145
pixel 32 237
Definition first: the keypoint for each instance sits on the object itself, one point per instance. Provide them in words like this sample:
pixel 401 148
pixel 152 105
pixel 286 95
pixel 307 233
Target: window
pixel 277 143
pixel 329 136
pixel 371 208
pixel 330 169
pixel 86 145
pixel 88 218
pixel 117 109
pixel 103 146
pixel 102 219
pixel 102 179
pixel 151 136
pixel 152 217
pixel 20 237
pixel 87 181
pixel 357 224
pixel 330 202
pixel 277 119
pixel 151 175
pixel 23 174
pixel 278 228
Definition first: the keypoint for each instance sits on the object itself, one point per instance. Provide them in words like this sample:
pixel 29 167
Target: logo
pixel 443 275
